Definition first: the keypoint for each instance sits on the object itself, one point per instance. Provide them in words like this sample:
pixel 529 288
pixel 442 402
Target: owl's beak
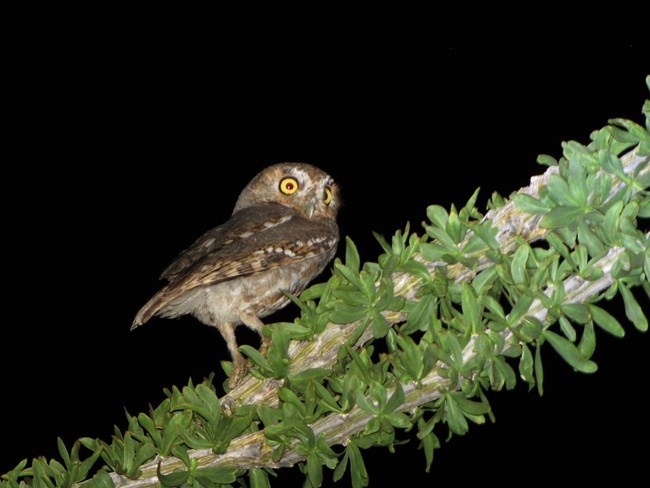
pixel 309 209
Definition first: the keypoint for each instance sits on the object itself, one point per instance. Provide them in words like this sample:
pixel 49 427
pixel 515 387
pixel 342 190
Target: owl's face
pixel 300 186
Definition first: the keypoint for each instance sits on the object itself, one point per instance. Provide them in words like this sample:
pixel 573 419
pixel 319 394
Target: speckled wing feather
pixel 252 241
pixel 231 231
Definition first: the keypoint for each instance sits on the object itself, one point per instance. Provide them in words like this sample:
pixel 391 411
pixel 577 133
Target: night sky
pixel 138 146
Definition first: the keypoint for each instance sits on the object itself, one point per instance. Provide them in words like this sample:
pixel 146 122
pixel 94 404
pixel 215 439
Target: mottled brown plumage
pixel 281 235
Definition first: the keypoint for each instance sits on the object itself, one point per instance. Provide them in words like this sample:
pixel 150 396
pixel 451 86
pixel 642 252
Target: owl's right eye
pixel 327 195
pixel 289 186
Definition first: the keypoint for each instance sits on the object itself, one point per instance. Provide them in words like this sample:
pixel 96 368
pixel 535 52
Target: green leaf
pixel 429 443
pixel 635 130
pixel 531 328
pixel 326 398
pixel 128 453
pixel 398 419
pixel 313 292
pixel 528 204
pixel 590 240
pixel 340 467
pixel 209 399
pixel 307 375
pixel 278 354
pixel 346 314
pixel 577 176
pixel 396 399
pixel 471 407
pixel 484 280
pixel 610 162
pixel 255 356
pixel 570 353
pixel 416 268
pixel 578 156
pixel 288 396
pixel 567 329
pixel 101 480
pixel 556 242
pixel 470 306
pixel 454 227
pixel 587 344
pixel 644 208
pixel 87 464
pixel 150 426
pixel 469 206
pixel 518 264
pixel 454 417
pixel 146 452
pixel 526 365
pixel 437 215
pixel 505 373
pixel 444 238
pixel 215 475
pixel 295 331
pixel 494 306
pixel 63 452
pixel 561 216
pixel 357 467
pixel 174 479
pixel 258 478
pixel 433 252
pixel 352 260
pixel 632 309
pixel 172 431
pixel 349 274
pixel 520 309
pixel 546 160
pixel 365 404
pixel 632 244
pixel 419 315
pixel 487 233
pixel 430 358
pixel 577 312
pixel 539 369
pixel 455 351
pixel 314 470
pixel 380 325
pixel 559 190
pixel 606 321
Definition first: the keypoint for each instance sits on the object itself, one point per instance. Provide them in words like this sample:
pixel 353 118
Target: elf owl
pixel 282 233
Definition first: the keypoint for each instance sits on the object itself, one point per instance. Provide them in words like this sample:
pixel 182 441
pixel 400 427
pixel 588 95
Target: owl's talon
pixel 240 368
pixel 266 344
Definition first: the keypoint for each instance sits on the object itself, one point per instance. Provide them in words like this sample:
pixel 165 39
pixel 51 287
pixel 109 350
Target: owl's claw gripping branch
pixel 239 369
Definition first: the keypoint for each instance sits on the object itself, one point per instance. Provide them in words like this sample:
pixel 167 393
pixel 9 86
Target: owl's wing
pixel 243 224
pixel 209 242
pixel 253 240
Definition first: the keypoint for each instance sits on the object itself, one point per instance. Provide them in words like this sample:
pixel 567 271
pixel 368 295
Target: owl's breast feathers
pixel 253 240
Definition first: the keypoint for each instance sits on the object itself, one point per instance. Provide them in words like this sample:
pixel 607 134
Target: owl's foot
pixel 239 369
pixel 266 343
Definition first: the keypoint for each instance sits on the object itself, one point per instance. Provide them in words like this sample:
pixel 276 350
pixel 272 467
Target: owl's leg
pixel 239 367
pixel 252 321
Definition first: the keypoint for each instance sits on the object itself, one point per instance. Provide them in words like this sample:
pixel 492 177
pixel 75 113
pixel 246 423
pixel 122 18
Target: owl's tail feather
pixel 151 308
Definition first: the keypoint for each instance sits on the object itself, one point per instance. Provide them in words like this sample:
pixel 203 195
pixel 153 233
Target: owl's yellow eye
pixel 289 186
pixel 327 195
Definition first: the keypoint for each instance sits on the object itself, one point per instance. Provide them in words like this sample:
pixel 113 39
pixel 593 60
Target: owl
pixel 281 235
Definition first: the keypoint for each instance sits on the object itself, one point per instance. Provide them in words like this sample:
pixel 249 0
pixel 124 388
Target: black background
pixel 131 145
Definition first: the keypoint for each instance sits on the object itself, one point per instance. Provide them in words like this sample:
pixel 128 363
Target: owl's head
pixel 300 186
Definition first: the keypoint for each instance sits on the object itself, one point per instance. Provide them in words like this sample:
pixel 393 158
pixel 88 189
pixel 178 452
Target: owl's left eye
pixel 289 186
pixel 327 195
